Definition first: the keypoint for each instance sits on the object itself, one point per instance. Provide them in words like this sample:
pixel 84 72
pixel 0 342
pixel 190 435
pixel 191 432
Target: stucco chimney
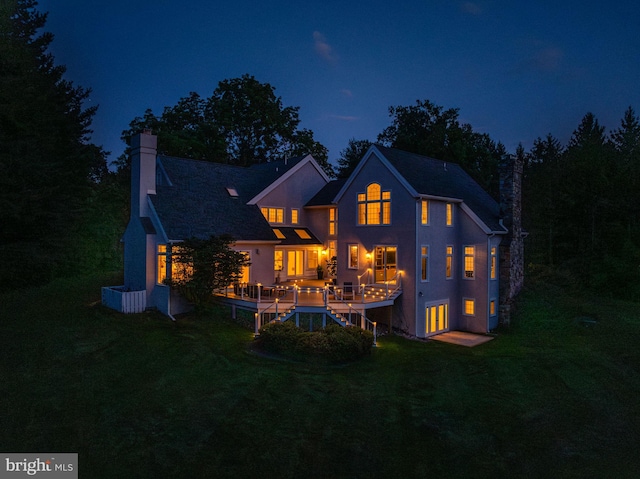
pixel 143 171
pixel 512 247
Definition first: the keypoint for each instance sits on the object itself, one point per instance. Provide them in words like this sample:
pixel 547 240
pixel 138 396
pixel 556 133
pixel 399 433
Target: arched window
pixel 374 206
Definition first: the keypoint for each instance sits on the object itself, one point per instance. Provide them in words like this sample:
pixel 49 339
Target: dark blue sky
pixel 516 70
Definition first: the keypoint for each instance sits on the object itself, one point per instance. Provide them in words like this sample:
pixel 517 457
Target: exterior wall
pixel 292 193
pixel 437 236
pixel 408 234
pixel 261 258
pixel 400 233
pixel 295 192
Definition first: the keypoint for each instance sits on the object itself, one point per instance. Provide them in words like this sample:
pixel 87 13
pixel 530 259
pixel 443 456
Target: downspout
pixel 489 280
pixel 169 306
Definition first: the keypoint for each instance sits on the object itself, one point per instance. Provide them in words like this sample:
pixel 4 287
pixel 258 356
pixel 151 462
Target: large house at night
pixel 417 242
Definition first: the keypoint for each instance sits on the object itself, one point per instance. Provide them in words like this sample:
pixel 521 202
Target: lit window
pixel 162 263
pixel 469 307
pixel 469 262
pixel 295 216
pixel 353 256
pixel 449 265
pixel 374 206
pixel 424 216
pixel 332 249
pixel 333 221
pixel 273 215
pixel 449 214
pixel 168 269
pixel 492 307
pixel 312 259
pixel 494 263
pixel 424 263
pixel 303 234
pixel 278 260
pixel 278 233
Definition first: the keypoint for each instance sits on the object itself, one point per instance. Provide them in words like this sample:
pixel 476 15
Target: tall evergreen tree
pixel 542 201
pixel 46 160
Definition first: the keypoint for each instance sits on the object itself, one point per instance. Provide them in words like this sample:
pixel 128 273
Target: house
pixel 418 242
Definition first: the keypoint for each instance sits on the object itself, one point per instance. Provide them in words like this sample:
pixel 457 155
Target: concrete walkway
pixel 462 339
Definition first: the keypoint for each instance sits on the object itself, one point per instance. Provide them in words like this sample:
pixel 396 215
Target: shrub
pixel 333 343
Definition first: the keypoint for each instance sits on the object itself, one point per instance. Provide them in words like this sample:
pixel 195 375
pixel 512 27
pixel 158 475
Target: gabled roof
pixel 298 163
pixel 326 196
pixel 428 177
pixel 200 200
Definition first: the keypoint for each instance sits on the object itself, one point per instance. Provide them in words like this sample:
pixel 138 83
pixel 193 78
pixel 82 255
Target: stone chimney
pixel 143 171
pixel 512 246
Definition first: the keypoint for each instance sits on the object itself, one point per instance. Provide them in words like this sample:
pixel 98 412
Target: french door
pixel 295 263
pixel 437 317
pixel 385 266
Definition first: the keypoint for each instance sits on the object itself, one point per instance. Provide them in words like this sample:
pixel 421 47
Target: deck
pixel 345 304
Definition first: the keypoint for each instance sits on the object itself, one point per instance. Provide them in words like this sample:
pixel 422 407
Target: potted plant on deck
pixel 320 272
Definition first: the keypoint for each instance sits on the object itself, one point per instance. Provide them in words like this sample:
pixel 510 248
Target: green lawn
pixel 140 396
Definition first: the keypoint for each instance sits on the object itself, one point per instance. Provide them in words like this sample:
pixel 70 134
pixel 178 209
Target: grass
pixel 556 395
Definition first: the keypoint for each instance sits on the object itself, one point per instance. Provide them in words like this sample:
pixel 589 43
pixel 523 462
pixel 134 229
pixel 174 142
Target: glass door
pixel 437 317
pixel 385 266
pixel 295 263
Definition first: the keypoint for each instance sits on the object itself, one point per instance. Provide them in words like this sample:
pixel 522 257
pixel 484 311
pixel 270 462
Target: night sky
pixel 516 70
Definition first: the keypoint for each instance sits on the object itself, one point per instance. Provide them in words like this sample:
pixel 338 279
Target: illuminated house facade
pixel 400 219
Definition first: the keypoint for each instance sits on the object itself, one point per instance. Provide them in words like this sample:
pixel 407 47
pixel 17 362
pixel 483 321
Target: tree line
pixel 63 211
pixel 582 206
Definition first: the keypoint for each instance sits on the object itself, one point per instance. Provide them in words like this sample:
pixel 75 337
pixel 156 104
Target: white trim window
pixel 374 206
pixel 273 215
pixel 469 262
pixel 424 212
pixel 493 266
pixel 295 216
pixel 469 306
pixel 424 263
pixel 333 221
pixel 353 256
pixel 449 262
pixel 449 214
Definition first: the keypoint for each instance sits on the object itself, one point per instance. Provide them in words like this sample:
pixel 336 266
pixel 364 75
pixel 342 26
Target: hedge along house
pixel 417 225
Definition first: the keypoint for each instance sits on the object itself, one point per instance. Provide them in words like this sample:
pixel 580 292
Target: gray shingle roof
pixel 429 176
pixel 197 203
pixel 327 194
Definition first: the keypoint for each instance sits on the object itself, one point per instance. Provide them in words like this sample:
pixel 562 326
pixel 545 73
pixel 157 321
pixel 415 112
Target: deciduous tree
pixel 242 123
